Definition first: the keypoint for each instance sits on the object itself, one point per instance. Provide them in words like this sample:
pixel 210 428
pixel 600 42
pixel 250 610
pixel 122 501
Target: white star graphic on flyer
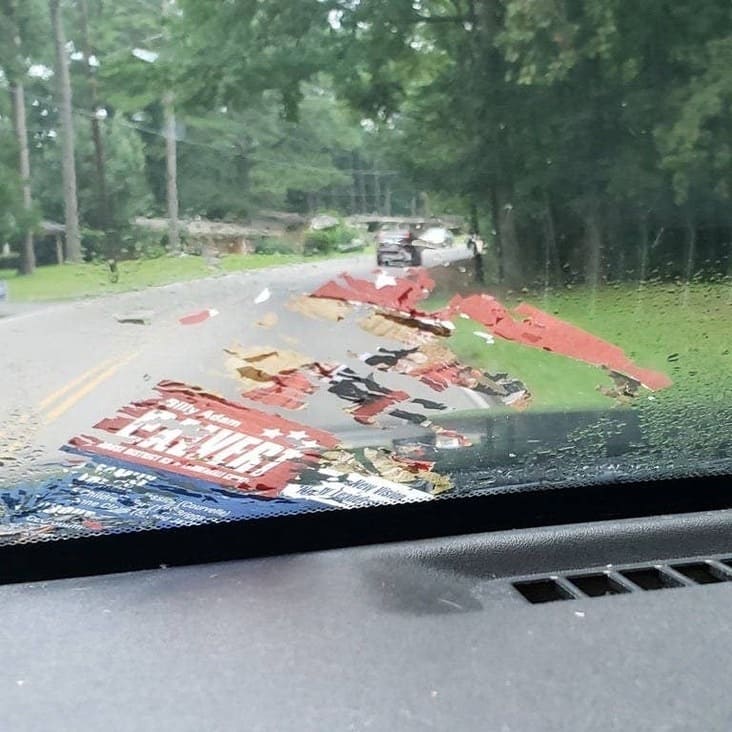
pixel 271 434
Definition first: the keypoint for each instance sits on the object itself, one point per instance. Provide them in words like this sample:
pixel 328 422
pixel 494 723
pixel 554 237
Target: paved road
pixel 68 365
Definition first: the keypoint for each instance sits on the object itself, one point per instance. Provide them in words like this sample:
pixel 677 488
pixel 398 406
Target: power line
pixel 234 153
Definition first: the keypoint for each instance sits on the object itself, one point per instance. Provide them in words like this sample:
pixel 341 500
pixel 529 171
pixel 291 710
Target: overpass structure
pixel 373 221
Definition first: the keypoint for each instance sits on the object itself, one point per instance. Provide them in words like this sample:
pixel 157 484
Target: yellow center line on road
pixel 87 388
pixel 51 398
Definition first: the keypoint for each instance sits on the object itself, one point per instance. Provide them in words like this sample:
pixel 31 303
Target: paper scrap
pixel 263 296
pixel 356 491
pixel 258 364
pixel 315 307
pixel 487 337
pixel 137 317
pixel 199 317
pixel 269 320
pixel 384 280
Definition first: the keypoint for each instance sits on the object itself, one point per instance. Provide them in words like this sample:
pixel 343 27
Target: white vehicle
pixel 437 236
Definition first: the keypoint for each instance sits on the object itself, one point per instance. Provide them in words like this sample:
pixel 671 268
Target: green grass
pixel 650 324
pixel 72 281
pixel 553 380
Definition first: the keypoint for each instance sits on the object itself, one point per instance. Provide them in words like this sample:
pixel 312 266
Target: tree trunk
pixel 377 190
pixel 552 261
pixel 498 243
pixel 690 257
pixel 362 190
pixel 171 164
pixel 593 243
pixel 17 100
pixel 510 255
pixel 617 263
pixel 474 222
pixel 28 255
pixel 104 218
pixel 690 250
pixel 425 200
pixel 354 205
pixel 387 197
pixel 643 264
pixel 63 81
pixel 354 184
pixel 644 257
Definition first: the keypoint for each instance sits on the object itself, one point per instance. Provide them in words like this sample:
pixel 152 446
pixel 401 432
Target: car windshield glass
pixel 264 258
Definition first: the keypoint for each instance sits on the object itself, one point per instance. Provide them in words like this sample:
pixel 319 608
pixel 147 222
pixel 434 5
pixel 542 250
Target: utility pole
pixel 63 82
pixel 104 213
pixel 171 166
pixel 171 155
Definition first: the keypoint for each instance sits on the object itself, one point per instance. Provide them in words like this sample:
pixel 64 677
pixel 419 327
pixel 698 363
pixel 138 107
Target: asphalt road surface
pixel 66 366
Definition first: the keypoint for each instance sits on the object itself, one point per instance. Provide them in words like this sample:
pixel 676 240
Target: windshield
pixel 268 258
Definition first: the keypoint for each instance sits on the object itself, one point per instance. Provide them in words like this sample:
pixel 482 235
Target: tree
pixel 588 139
pixel 233 52
pixel 11 203
pixel 140 75
pixel 547 115
pixel 104 218
pixel 63 81
pixel 124 174
pixel 12 64
pixel 171 167
pixel 28 258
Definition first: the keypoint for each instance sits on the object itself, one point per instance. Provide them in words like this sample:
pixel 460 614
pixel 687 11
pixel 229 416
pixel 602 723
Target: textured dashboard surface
pixel 424 635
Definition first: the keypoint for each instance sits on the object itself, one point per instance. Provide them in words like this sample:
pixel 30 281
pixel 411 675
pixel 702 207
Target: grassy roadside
pixel 72 281
pixel 685 332
pixel 553 380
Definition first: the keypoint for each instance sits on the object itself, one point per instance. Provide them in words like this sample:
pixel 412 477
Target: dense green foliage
pixel 588 139
pixel 594 133
pixel 329 240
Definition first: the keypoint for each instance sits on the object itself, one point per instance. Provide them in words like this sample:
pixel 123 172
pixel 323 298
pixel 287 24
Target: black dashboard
pixel 430 633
